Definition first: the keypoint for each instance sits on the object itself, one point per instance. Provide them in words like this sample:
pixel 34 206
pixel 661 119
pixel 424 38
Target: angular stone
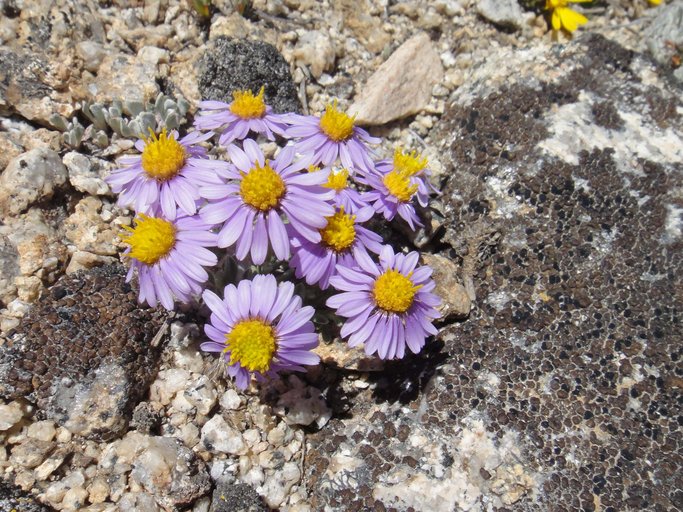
pixel 86 174
pixel 30 177
pixel 123 77
pixel 87 229
pixel 27 87
pixel 402 86
pixel 31 452
pixel 218 436
pixel 363 25
pixel 455 301
pixel 163 467
pixel 503 13
pixel 10 415
pixel 314 49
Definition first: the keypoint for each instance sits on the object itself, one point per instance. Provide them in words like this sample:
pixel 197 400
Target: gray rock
pixel 30 177
pixel 124 76
pixel 236 498
pixel 162 466
pixel 31 452
pixel 218 436
pixel 86 174
pixel 502 13
pixel 402 86
pixel 9 262
pixel 92 54
pixel 230 65
pixel 94 405
pixel 664 35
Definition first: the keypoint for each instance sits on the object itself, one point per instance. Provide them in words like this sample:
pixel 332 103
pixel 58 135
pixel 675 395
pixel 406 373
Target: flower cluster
pixel 311 206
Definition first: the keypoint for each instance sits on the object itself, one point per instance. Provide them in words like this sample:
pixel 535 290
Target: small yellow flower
pixel 562 17
pixel 654 2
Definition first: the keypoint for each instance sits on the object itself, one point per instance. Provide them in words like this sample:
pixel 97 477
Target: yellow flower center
pixel 394 292
pixel 262 187
pixel 335 124
pixel 163 156
pixel 247 105
pixel 409 163
pixel 398 184
pixel 252 344
pixel 150 240
pixel 338 181
pixel 340 232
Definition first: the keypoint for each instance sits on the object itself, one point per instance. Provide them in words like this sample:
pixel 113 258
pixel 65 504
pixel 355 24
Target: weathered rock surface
pixel 236 498
pixel 664 37
pixel 83 353
pixel 402 86
pixel 564 383
pixel 27 87
pixel 231 65
pixel 503 13
pixel 87 174
pixel 30 177
pixel 162 466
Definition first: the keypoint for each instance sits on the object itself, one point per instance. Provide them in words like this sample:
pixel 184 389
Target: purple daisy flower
pixel 413 165
pixel 344 242
pixel 166 175
pixel 388 306
pixel 247 113
pixel 249 211
pixel 344 194
pixel 332 136
pixel 169 256
pixel 261 328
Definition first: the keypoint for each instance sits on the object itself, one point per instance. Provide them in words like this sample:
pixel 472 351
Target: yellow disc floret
pixel 336 124
pixel 409 163
pixel 163 156
pixel 340 232
pixel 247 105
pixel 252 344
pixel 262 187
pixel 394 292
pixel 338 181
pixel 398 184
pixel 151 239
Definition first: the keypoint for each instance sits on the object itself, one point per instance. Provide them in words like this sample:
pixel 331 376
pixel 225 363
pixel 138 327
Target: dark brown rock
pixel 83 353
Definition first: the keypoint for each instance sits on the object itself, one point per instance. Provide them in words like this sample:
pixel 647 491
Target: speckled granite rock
pixel 562 390
pixel 13 498
pixel 231 65
pixel 236 498
pixel 83 353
